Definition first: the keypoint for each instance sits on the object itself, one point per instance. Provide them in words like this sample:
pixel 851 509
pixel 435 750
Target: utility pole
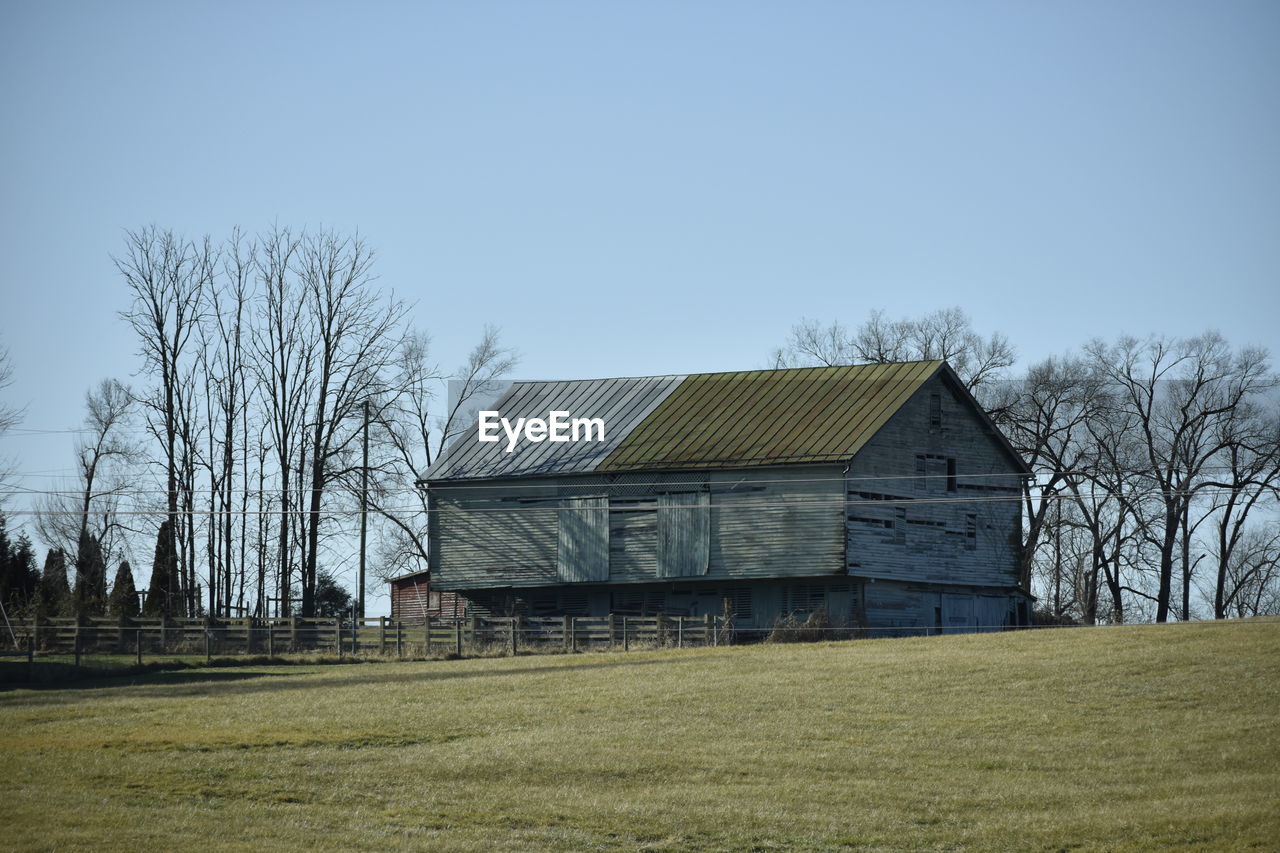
pixel 364 507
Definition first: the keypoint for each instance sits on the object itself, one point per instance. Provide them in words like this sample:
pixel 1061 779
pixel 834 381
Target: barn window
pixel 935 411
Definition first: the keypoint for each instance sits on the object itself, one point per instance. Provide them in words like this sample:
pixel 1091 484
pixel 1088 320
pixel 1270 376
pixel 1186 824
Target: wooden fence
pixel 273 636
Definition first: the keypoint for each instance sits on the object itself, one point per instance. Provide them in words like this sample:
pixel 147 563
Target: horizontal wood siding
pixel 908 520
pixel 761 523
pixel 777 523
pixel 413 600
pixel 488 537
pixel 633 543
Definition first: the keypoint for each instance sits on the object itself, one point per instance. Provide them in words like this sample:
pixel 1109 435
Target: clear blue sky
pixel 639 188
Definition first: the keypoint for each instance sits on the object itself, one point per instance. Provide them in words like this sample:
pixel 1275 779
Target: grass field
pixel 1107 739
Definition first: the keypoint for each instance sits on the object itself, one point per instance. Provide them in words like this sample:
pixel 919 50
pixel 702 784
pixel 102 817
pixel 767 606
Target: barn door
pixel 582 550
pixel 684 534
pixel 957 614
pixel 993 613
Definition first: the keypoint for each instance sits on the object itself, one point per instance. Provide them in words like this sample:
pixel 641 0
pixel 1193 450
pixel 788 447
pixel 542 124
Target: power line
pixel 448 484
pixel 837 502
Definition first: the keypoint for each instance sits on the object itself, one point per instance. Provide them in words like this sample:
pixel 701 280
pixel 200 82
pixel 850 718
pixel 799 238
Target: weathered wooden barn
pixel 881 494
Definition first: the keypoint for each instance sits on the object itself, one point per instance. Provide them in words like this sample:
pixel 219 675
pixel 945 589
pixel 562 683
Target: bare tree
pixel 1252 583
pixel 1046 416
pixel 104 457
pixel 167 276
pixel 1178 392
pixel 947 334
pixel 224 367
pixel 357 341
pixel 283 340
pixel 1248 474
pixel 10 416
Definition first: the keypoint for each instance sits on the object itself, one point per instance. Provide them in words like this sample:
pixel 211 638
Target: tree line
pixel 236 461
pixel 267 364
pixel 1156 460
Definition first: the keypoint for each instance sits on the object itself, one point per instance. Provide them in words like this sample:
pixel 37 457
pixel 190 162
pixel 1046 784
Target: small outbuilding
pixel 413 600
pixel 881 495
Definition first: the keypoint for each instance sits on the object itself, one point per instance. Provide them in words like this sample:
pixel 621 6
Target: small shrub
pixel 815 627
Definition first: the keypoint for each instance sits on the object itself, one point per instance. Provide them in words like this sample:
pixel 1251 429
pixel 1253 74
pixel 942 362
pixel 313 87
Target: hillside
pixel 1116 738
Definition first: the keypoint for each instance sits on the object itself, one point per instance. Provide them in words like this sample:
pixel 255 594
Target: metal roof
pixel 701 421
pixel 621 403
pixel 769 417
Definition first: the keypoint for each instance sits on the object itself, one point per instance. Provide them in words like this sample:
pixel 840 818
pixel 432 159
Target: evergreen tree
pixel 6 562
pixel 164 593
pixel 55 592
pixel 23 579
pixel 91 576
pixel 331 598
pixel 124 595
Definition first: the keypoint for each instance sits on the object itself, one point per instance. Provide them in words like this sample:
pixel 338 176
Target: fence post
pixel 399 645
pixel 75 641
pixel 626 640
pixel 564 632
pixel 164 633
pixel 293 633
pixel 511 626
pixel 382 635
pixel 573 633
pixel 707 632
pixel 613 634
pixel 715 632
pixel 355 634
pixel 457 637
pixel 679 632
pixel 271 638
pixel 426 646
pixel 208 640
pixel 138 644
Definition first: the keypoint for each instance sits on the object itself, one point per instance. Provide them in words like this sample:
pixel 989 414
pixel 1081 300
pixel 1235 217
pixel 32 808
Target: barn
pixel 881 495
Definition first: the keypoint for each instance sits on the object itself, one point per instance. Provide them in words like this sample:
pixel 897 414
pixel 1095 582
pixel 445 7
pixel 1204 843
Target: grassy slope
pixel 1096 739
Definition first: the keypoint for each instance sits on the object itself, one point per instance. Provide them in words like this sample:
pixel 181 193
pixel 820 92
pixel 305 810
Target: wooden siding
pixel 583 549
pixel 891 608
pixel 760 523
pixel 482 538
pixel 684 534
pixel 934 503
pixel 413 600
pixel 777 522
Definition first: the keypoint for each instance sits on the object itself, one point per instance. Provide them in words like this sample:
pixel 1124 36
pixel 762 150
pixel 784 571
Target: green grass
pixel 1107 739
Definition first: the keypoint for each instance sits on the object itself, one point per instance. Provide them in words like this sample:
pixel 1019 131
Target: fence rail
pixel 152 637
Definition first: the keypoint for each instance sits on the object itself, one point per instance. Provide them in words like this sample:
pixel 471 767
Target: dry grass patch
pixel 1127 738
